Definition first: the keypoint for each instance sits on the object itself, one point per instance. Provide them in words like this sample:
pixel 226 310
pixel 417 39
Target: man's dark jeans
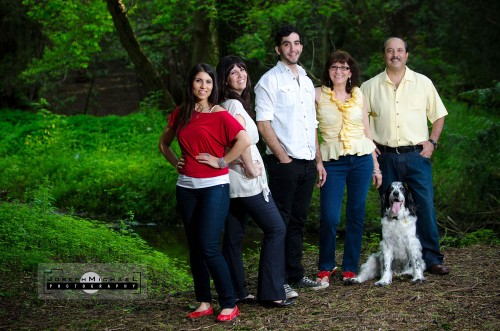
pixel 292 185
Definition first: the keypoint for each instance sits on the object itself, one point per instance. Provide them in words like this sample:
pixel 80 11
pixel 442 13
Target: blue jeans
pixel 415 170
pixel 355 172
pixel 272 254
pixel 204 213
pixel 292 185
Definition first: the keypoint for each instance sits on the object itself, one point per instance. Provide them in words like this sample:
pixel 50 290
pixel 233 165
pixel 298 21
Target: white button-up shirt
pixel 289 104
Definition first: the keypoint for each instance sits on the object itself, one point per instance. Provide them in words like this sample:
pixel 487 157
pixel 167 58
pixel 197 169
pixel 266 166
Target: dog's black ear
pixel 384 204
pixel 410 204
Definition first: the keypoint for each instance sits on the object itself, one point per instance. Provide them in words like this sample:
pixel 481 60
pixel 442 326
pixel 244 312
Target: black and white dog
pixel 400 250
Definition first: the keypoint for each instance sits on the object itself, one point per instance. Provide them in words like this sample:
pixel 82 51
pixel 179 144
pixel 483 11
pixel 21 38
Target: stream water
pixel 171 239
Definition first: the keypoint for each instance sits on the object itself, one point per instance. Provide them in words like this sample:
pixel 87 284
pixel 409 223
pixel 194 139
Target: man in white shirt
pixel 286 118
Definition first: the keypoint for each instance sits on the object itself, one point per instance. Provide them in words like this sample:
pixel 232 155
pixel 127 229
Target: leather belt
pixel 301 161
pixel 400 149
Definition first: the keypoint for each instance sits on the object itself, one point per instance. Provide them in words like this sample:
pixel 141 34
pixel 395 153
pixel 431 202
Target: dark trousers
pixel 204 213
pixel 272 261
pixel 292 185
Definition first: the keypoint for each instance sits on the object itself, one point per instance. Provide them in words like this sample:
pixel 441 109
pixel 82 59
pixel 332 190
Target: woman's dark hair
pixel 187 108
pixel 342 57
pixel 224 67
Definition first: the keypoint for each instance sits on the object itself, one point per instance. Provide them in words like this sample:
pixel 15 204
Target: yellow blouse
pixel 341 125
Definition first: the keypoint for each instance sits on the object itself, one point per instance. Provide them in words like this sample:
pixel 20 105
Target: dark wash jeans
pixel 355 172
pixel 292 185
pixel 415 170
pixel 272 254
pixel 204 213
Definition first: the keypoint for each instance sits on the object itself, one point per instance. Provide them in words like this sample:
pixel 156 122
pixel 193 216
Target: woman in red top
pixel 204 131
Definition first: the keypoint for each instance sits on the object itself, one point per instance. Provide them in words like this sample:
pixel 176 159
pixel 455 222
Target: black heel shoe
pixel 249 300
pixel 276 304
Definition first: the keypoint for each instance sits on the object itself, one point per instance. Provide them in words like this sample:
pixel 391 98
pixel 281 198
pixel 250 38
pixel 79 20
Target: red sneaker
pixel 346 275
pixel 324 276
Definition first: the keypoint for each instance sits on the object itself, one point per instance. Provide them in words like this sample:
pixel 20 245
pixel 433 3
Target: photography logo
pixel 91 281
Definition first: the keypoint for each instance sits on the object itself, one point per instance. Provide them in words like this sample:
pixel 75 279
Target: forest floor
pixel 466 299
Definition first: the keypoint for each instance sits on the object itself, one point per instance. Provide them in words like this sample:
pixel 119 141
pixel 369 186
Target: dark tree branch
pixel 150 76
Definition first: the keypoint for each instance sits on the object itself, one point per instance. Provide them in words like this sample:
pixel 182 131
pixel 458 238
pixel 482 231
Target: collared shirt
pixel 398 116
pixel 289 104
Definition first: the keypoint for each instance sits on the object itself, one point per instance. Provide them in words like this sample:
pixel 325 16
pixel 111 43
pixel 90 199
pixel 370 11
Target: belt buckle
pixel 397 151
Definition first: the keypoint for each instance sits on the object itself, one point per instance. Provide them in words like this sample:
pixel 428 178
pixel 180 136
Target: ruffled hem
pixel 358 147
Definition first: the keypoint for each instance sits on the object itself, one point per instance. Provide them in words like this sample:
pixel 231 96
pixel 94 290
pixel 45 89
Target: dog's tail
pixel 370 269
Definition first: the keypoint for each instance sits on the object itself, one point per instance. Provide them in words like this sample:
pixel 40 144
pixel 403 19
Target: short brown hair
pixel 342 57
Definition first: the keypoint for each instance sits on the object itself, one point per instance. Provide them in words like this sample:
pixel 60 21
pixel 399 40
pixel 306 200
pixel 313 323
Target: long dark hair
pixel 224 67
pixel 187 108
pixel 342 57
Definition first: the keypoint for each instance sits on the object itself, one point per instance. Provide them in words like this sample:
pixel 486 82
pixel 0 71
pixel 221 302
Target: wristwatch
pixel 433 143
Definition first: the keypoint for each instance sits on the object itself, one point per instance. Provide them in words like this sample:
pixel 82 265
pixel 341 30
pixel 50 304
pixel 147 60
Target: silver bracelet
pixel 222 164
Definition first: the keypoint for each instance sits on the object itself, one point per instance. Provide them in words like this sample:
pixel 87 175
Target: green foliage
pixel 433 63
pixel 106 166
pixel 371 242
pixel 257 39
pixel 75 30
pixel 79 35
pixel 482 236
pixel 32 235
pixel 466 176
pixel 42 199
pixel 487 98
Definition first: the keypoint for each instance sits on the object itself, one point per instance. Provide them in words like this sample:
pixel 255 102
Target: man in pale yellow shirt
pixel 400 101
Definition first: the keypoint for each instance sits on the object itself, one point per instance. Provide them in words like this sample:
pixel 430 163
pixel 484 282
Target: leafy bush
pixel 482 236
pixel 32 235
pixel 105 167
pixel 487 98
pixel 466 176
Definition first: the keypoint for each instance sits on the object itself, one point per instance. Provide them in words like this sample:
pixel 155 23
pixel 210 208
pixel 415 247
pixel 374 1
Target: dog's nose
pixel 395 193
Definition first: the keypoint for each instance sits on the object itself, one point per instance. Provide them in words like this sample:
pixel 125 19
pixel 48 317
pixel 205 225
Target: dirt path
pixel 467 299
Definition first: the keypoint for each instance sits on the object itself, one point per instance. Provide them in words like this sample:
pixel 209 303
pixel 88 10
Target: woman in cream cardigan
pixel 349 158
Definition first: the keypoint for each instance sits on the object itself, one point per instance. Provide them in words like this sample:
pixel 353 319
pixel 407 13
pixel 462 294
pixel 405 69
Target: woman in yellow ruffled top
pixel 349 158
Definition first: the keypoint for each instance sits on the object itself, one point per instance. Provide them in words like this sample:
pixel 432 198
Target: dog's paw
pixel 418 280
pixel 351 281
pixel 382 283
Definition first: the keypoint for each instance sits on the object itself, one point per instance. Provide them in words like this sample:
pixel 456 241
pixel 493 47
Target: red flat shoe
pixel 197 314
pixel 229 317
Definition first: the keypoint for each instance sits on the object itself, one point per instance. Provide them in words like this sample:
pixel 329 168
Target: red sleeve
pixel 173 117
pixel 230 127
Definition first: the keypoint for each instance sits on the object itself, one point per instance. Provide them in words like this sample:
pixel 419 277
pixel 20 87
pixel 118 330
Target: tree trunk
pixel 145 68
pixel 201 37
